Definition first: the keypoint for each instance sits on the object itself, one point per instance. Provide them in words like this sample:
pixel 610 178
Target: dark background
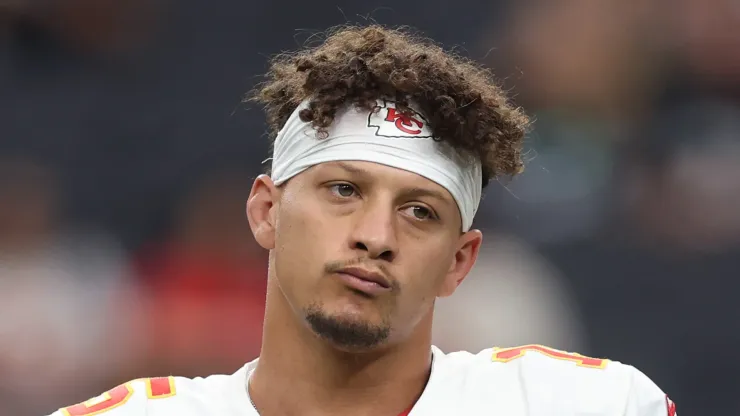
pixel 126 157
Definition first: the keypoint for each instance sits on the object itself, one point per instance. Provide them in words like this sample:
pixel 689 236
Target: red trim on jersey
pixel 670 406
pixel 407 411
pixel 160 386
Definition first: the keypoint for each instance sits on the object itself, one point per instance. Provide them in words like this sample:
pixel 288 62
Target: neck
pixel 316 378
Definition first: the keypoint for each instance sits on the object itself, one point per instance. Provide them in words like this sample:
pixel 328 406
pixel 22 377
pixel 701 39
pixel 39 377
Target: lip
pixel 365 281
pixel 368 275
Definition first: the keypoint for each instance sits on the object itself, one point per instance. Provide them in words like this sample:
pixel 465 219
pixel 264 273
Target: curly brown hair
pixel 359 65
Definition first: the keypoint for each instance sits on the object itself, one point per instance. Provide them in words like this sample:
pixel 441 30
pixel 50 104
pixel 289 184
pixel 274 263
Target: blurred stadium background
pixel 126 158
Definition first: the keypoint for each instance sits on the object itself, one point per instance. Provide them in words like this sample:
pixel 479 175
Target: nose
pixel 374 232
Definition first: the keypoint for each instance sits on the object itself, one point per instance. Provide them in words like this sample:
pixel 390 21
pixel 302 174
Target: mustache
pixel 336 266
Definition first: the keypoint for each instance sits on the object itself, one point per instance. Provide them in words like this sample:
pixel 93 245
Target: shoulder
pixel 162 395
pixel 540 374
pixel 127 399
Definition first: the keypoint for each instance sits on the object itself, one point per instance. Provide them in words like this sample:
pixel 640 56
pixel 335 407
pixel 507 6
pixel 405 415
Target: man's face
pixel 340 226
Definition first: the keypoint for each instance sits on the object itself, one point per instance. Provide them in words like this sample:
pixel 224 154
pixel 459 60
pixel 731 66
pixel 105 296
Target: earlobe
pixel 467 252
pixel 262 200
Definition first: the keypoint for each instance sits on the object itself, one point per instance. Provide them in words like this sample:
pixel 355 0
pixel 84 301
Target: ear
pixel 261 207
pixel 468 247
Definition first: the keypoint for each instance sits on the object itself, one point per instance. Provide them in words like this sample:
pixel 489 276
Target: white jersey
pixel 532 380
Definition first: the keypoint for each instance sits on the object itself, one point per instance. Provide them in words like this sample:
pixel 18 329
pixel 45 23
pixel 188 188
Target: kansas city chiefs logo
pixel 391 122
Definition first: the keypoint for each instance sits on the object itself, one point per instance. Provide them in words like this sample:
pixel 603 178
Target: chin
pixel 351 332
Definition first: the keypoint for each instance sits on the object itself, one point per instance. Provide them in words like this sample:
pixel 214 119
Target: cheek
pixel 430 265
pixel 420 290
pixel 292 251
pixel 302 236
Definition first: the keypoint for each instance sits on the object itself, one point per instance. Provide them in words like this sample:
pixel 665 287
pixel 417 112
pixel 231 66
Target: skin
pixel 328 349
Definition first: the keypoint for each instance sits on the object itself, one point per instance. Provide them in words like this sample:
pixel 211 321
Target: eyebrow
pixel 410 192
pixel 352 169
pixel 420 192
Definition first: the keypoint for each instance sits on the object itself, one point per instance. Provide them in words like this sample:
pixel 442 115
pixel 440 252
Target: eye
pixel 343 190
pixel 419 212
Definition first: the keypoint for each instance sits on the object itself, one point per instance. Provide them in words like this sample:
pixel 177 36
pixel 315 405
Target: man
pixel 383 144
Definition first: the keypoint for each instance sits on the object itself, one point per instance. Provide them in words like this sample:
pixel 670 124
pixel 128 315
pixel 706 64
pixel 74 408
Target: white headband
pixel 386 137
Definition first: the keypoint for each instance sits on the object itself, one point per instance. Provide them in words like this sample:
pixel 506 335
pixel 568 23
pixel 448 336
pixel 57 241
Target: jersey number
pixel 505 355
pixel 156 388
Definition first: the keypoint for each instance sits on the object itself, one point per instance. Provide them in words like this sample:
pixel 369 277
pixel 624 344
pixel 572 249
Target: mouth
pixel 365 281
